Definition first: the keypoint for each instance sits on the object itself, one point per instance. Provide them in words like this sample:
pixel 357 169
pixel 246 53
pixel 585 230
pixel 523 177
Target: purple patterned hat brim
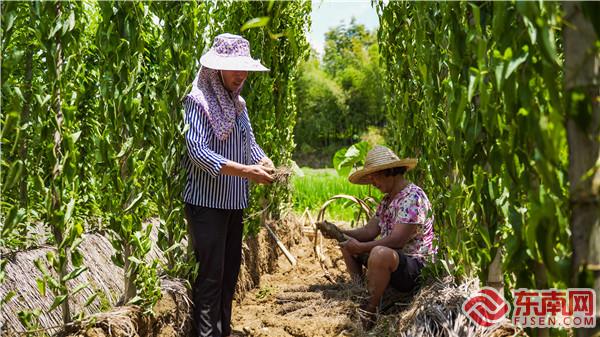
pixel 213 60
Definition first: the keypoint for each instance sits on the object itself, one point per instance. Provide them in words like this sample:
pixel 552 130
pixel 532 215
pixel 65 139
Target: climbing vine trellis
pixel 475 91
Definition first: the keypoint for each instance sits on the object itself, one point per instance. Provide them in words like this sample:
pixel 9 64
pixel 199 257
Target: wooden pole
pixel 281 246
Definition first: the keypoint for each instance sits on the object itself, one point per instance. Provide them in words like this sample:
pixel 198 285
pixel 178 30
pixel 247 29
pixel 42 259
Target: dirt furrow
pixel 300 301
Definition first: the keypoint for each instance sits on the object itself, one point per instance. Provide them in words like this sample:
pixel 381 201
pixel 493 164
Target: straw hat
pixel 378 159
pixel 231 52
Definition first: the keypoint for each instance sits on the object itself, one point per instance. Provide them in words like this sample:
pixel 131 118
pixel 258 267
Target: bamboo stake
pixel 285 251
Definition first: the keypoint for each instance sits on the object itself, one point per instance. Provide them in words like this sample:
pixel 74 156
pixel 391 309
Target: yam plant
pixel 496 101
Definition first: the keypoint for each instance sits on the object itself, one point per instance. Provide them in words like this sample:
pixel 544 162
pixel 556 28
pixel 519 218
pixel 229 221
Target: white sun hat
pixel 231 52
pixel 378 159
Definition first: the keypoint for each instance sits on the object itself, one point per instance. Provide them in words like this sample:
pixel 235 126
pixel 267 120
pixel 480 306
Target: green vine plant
pixel 124 138
pixel 474 91
pixel 177 47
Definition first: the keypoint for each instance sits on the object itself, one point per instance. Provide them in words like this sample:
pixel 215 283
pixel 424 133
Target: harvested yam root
pixel 282 174
pixel 331 231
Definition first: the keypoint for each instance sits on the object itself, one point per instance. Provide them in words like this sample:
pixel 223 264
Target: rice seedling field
pixel 316 186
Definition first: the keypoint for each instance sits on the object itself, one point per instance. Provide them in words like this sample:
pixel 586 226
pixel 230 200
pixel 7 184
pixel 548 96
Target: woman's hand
pixel 353 246
pixel 259 174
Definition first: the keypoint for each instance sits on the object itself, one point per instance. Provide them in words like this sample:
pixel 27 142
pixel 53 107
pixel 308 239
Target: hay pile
pixel 171 317
pixel 436 311
pixel 103 277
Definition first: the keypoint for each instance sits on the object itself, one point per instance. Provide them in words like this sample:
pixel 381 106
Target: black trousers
pixel 216 236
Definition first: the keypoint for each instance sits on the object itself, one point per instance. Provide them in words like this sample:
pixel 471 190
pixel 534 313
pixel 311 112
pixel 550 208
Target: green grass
pixel 318 185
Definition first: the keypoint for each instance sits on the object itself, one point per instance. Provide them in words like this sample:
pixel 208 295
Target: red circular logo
pixel 487 307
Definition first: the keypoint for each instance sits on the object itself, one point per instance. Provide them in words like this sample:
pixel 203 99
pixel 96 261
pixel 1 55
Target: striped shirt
pixel 206 154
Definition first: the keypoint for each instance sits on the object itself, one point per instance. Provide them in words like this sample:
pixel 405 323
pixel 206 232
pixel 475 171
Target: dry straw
pixel 103 278
pixel 436 311
pixel 171 313
pixel 282 175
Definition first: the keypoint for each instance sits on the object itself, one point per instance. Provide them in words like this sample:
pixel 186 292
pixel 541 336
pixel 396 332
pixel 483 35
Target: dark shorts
pixel 406 277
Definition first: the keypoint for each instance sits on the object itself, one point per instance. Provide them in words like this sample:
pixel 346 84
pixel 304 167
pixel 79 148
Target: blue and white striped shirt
pixel 206 154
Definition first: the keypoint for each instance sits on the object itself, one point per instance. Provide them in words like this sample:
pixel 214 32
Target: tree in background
pixel 320 101
pixel 352 59
pixel 340 97
pixel 342 45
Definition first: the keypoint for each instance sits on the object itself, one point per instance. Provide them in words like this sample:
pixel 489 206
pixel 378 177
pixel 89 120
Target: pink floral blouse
pixel 409 206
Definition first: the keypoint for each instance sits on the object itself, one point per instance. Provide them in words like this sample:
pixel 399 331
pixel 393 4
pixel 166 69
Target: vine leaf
pixel 256 23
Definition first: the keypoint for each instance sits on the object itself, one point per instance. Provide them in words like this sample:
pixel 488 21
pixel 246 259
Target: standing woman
pixel 222 156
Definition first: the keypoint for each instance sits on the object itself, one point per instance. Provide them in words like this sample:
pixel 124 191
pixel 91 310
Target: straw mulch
pixel 306 300
pixel 170 318
pixel 103 277
pixel 436 311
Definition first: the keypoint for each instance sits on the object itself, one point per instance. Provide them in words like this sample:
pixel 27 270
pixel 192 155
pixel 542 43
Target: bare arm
pixel 367 233
pixel 397 238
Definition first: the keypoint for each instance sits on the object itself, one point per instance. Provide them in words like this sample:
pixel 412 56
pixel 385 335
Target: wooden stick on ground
pixel 285 251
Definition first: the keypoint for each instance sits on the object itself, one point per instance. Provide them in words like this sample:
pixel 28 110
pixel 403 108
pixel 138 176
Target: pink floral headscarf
pixel 221 106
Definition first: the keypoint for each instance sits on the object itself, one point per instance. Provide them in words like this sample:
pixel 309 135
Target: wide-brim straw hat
pixel 378 159
pixel 231 52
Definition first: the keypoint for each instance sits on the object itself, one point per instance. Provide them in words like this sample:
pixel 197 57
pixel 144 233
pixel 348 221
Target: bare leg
pixel 353 266
pixel 383 261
